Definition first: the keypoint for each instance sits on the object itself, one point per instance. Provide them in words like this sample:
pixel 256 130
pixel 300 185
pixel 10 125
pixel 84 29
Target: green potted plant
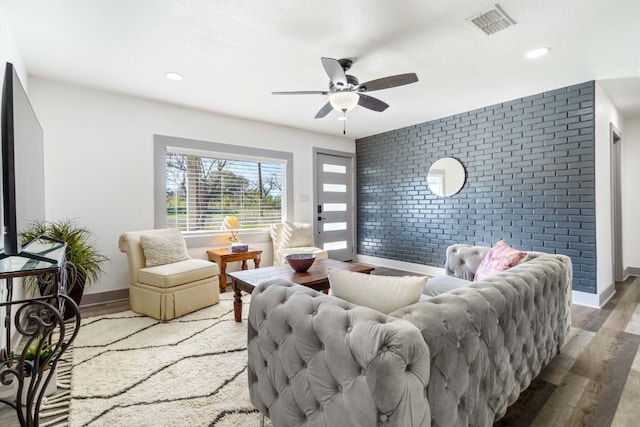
pixel 40 352
pixel 84 262
pixel 45 351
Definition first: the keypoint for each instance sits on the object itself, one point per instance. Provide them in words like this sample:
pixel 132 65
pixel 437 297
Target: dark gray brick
pixel 530 167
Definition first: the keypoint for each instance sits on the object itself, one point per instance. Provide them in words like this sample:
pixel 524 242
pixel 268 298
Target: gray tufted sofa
pixel 461 266
pixel 456 359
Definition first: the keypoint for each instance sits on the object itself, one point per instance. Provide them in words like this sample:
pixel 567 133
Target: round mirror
pixel 446 176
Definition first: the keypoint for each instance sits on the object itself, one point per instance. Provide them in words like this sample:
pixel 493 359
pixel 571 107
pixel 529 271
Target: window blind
pixel 203 189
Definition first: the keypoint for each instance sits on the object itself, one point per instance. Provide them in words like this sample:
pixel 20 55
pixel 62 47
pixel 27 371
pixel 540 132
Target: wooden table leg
pixel 237 302
pixel 223 276
pixel 244 264
pixel 256 261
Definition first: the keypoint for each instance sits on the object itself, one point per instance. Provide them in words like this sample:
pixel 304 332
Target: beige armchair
pixel 167 283
pixel 293 238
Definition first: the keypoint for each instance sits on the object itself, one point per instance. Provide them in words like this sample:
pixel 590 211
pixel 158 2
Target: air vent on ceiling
pixel 492 21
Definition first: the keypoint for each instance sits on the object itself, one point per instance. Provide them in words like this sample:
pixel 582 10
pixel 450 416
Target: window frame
pixel 163 142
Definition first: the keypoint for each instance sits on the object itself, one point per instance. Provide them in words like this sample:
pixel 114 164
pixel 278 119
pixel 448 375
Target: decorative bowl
pixel 301 262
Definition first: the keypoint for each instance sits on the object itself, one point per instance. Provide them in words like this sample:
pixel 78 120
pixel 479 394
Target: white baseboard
pixel 594 300
pixel 586 299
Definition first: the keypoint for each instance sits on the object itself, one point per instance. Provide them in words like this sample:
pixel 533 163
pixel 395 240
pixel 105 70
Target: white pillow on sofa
pixel 382 293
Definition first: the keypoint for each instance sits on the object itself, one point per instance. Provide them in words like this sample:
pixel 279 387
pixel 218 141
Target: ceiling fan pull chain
pixel 344 121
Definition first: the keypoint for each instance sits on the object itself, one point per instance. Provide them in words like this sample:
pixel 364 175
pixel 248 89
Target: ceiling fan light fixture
pixel 344 101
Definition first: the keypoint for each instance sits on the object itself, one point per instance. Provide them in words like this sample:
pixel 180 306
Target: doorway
pixel 334 197
pixel 616 214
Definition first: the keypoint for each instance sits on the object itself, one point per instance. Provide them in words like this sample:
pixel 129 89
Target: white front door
pixel 334 209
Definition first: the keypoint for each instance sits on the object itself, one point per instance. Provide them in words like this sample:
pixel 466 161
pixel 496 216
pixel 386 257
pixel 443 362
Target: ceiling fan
pixel 345 91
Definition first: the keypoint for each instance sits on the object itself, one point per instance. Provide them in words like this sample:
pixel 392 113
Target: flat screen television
pixel 22 162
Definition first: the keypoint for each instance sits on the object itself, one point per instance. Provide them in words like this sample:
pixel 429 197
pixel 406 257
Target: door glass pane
pixel 334 168
pixel 334 188
pixel 334 207
pixel 334 226
pixel 332 246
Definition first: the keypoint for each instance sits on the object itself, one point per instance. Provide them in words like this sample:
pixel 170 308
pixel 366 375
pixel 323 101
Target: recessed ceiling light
pixel 537 53
pixel 173 76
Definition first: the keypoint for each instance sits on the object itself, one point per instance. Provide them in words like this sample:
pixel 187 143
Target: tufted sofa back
pixel 316 360
pixel 463 260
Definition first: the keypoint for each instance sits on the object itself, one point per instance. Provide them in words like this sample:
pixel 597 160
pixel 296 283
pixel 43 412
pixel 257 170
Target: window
pixel 201 187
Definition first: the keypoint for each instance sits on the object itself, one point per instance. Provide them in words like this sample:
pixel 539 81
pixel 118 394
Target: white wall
pixel 99 160
pixel 630 194
pixel 9 52
pixel 605 114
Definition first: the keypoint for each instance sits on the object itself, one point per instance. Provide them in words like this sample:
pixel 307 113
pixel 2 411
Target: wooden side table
pixel 222 256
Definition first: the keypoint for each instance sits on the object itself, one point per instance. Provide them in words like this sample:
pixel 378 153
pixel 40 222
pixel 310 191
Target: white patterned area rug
pixel 132 370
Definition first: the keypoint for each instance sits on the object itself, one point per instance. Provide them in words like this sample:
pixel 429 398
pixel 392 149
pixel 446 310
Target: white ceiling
pixel 234 53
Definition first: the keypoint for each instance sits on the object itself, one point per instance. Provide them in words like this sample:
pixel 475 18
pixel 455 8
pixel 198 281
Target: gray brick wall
pixel 530 181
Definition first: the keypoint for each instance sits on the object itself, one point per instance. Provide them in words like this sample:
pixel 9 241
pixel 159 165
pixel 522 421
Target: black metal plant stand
pixel 39 322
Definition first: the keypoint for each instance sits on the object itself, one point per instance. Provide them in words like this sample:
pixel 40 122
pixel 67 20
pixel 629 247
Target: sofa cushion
pixel 382 293
pixel 296 234
pixel 177 273
pixel 499 258
pixel 441 284
pixel 160 249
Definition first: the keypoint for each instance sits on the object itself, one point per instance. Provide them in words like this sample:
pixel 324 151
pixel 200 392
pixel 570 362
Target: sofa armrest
pixel 318 360
pixel 441 284
pixel 275 232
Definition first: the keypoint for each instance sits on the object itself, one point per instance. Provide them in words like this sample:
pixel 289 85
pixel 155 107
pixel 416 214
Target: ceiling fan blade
pixel 324 111
pixel 335 72
pixel 372 103
pixel 388 82
pixel 302 92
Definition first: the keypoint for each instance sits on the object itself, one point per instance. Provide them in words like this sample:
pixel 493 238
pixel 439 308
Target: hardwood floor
pixel 594 381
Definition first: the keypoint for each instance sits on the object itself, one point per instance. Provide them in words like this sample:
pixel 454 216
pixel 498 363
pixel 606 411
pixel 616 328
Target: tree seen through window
pixel 201 191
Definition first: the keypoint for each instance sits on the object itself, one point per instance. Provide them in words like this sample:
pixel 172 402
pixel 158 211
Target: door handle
pixel 320 218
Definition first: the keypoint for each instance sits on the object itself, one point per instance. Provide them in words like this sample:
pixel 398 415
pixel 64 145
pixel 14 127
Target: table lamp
pixel 231 223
